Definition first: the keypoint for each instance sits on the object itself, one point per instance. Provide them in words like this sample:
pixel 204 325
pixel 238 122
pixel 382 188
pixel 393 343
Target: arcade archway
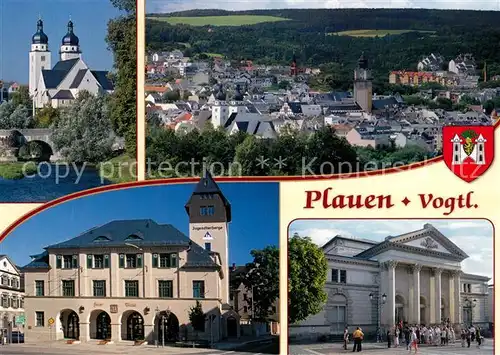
pixel 132 326
pixel 70 323
pixel 167 327
pixel 100 325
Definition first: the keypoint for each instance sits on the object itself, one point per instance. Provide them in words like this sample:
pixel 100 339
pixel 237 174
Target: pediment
pixel 428 243
pixel 429 239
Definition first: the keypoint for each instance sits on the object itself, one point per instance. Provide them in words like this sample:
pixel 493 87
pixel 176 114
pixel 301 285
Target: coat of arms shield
pixel 468 151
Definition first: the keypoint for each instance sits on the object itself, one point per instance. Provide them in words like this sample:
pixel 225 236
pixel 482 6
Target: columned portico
pixel 428 290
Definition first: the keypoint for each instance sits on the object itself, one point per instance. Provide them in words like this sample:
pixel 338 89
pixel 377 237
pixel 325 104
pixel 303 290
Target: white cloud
pixel 179 5
pixel 474 237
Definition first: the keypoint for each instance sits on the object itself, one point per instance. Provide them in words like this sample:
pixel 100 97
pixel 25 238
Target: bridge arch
pixel 38 150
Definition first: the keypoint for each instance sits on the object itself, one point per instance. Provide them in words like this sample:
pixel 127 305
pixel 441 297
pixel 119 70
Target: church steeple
pixel 39 37
pixel 362 61
pixel 70 46
pixel 39 57
pixel 363 91
pixel 293 66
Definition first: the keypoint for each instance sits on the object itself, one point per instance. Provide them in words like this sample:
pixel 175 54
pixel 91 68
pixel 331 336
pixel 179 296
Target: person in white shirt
pixel 414 340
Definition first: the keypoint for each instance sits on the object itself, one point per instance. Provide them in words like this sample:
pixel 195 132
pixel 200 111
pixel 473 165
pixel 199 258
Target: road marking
pixel 313 352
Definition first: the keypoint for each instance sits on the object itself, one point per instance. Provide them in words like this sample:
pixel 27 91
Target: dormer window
pixel 133 237
pixel 101 238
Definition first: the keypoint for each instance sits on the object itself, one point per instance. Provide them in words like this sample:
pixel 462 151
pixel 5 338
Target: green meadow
pixel 375 33
pixel 236 20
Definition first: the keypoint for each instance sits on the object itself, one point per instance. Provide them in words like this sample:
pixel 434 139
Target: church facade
pixel 59 85
pixel 415 278
pixel 136 280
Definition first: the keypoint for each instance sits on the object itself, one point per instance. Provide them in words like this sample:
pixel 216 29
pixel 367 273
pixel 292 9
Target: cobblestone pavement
pixel 379 349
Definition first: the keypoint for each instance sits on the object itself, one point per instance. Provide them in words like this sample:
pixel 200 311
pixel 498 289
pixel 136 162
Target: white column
pixel 416 292
pixel 454 290
pixel 411 297
pixel 388 318
pixel 458 308
pixel 437 295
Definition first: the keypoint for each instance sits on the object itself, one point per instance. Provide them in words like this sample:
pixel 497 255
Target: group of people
pixel 439 335
pixel 414 335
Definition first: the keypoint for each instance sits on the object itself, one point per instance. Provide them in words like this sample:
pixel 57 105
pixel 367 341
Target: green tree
pixel 22 98
pixel 252 155
pixel 121 39
pixel 197 318
pixel 6 109
pixel 83 133
pixel 327 154
pixel 172 96
pixel 307 275
pixel 46 116
pixel 262 279
pixel 14 117
pixel 152 118
pixel 285 85
pixel 444 103
pixel 21 118
pixel 290 148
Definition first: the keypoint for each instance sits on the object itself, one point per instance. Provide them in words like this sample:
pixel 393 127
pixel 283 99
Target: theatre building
pixel 415 278
pixel 136 280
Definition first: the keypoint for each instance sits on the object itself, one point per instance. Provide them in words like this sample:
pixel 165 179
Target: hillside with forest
pixel 312 35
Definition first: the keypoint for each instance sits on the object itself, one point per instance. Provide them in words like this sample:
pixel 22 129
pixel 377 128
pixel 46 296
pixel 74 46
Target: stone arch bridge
pixel 40 135
pixel 43 136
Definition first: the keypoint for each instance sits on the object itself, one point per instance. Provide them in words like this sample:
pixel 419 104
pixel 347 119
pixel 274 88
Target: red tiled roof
pixel 152 88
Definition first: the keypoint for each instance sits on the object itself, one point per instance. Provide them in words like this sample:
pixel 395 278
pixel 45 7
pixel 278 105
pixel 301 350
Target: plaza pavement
pixel 381 349
pixel 94 349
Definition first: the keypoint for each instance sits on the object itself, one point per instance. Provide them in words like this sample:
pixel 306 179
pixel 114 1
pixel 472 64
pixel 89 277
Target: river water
pixel 52 181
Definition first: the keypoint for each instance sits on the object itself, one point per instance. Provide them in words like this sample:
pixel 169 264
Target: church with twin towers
pixel 59 85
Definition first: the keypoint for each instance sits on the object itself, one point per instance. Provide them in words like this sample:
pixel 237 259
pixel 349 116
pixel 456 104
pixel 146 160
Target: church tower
pixel 70 47
pixel 237 104
pixel 363 92
pixel 39 56
pixel 220 110
pixel 293 67
pixel 209 215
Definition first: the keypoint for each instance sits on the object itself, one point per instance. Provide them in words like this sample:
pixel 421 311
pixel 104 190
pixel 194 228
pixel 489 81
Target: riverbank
pixel 16 170
pixel 122 168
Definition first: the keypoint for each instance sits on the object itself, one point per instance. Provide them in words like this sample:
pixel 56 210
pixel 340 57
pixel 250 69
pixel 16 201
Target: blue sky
pixel 18 24
pixel 254 223
pixel 178 5
pixel 475 237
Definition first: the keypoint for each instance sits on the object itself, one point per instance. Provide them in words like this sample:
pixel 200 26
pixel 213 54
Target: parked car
pixel 17 337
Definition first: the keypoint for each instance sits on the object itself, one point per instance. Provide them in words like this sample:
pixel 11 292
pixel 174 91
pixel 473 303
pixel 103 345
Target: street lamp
pixel 469 306
pixel 164 316
pixel 381 301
